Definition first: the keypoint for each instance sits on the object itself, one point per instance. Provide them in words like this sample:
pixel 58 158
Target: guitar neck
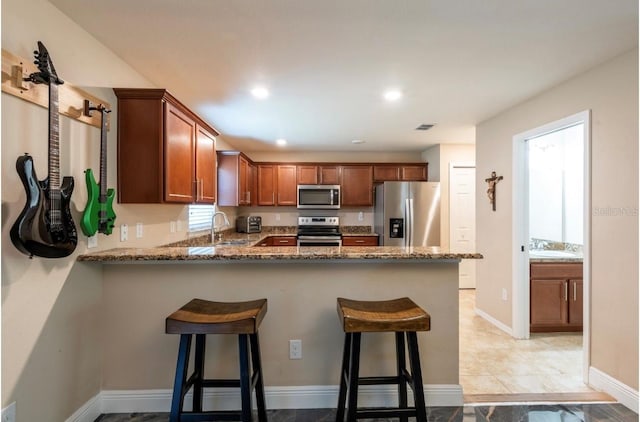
pixel 103 155
pixel 54 139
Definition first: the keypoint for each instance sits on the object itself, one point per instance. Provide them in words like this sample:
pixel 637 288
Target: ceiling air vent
pixel 425 126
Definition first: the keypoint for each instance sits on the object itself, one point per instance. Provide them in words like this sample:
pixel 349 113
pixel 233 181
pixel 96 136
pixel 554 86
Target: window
pixel 200 217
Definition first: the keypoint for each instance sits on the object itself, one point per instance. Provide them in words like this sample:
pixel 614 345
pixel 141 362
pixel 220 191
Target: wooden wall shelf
pixel 71 98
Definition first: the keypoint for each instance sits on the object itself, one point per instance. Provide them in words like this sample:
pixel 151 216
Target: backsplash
pixel 288 216
pixel 551 245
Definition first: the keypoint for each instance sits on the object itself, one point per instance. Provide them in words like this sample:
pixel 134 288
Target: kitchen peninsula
pixel 301 285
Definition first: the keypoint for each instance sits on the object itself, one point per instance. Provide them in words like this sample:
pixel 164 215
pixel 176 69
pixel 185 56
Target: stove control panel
pixel 318 221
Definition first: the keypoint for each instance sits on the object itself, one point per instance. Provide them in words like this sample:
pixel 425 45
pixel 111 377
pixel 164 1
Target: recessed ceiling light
pixel 357 141
pixel 281 142
pixel 392 95
pixel 260 92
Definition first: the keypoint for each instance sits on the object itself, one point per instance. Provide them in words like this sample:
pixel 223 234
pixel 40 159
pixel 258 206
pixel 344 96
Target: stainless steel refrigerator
pixel 408 213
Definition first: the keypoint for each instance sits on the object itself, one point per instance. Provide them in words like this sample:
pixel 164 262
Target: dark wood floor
pixel 609 412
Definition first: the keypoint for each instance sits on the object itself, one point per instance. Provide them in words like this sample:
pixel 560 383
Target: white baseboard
pixel 621 392
pixel 302 397
pixel 495 322
pixel 89 412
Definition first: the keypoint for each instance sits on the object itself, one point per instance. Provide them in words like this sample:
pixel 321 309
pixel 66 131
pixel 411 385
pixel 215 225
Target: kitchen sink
pixel 234 242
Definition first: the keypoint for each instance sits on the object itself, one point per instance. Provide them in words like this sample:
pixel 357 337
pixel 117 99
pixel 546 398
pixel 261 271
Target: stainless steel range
pixel 319 231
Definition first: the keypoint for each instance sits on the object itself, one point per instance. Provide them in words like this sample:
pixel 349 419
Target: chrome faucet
pixel 215 235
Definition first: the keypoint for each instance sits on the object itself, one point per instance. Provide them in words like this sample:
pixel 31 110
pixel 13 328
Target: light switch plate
pixel 92 241
pixel 139 230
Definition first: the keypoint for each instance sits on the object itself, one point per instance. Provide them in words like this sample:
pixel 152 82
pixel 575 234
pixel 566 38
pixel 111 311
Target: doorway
pixel 559 223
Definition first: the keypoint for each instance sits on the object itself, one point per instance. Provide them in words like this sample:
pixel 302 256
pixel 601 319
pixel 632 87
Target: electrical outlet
pixel 277 217
pixel 504 294
pixel 295 349
pixel 173 227
pixel 179 225
pixel 124 233
pixel 9 413
pixel 139 230
pixel 92 241
pixel 360 216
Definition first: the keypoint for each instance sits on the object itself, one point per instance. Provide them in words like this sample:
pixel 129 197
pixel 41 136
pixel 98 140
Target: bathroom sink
pixel 552 254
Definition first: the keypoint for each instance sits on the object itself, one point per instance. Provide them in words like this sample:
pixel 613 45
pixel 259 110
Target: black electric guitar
pixel 98 215
pixel 45 226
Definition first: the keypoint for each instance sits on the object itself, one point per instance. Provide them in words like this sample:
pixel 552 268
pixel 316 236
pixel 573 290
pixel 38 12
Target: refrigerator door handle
pixel 407 222
pixel 411 222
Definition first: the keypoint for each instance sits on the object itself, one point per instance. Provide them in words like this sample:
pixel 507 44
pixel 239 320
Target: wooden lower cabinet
pixel 359 241
pixel 556 297
pixel 279 241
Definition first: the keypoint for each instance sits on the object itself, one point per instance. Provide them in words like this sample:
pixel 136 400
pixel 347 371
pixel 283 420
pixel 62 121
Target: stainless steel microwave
pixel 319 197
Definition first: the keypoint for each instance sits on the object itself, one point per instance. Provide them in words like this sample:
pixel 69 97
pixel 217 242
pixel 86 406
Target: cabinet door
pixel 329 175
pixel 548 304
pixel 286 185
pixel 575 303
pixel 266 185
pixel 357 186
pixel 244 181
pixel 252 184
pixel 205 166
pixel 307 175
pixel 179 135
pixel 386 173
pixel 413 173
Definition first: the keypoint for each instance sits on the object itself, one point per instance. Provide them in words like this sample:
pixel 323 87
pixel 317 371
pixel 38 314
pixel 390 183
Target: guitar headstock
pixel 47 72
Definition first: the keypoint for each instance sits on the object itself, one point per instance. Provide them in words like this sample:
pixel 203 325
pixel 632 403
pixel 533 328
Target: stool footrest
pixel 384 412
pixel 210 383
pixel 219 415
pixel 380 380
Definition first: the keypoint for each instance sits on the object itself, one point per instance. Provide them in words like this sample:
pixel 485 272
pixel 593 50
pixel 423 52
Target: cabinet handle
pixel 575 291
pixel 201 188
pixel 283 241
pixel 273 198
pixel 359 241
pixel 566 291
pixel 249 197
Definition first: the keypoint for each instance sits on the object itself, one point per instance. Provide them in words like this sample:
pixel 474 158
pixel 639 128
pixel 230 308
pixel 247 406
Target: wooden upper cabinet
pixel 402 172
pixel 417 172
pixel 382 173
pixel 179 140
pixel 205 166
pixel 286 185
pixel 307 175
pixel 357 185
pixel 329 175
pixel 159 145
pixel 235 179
pixel 267 184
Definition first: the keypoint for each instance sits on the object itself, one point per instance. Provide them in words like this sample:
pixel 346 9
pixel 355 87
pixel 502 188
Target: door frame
pixel 520 230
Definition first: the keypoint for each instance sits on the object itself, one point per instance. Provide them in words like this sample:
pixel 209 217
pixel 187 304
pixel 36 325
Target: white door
pixel 462 219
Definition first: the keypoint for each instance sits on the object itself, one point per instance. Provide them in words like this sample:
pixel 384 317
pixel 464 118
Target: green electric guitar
pixel 98 215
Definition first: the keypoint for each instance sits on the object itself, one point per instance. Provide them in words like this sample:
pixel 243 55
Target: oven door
pixel 319 240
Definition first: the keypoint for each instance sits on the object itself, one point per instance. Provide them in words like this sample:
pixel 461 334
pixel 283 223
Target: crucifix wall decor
pixel 491 191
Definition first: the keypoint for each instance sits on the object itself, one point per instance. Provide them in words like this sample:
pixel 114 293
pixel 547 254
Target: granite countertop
pixel 554 256
pixel 240 246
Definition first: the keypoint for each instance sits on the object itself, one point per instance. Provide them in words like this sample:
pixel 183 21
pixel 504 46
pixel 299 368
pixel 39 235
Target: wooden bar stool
pixel 202 317
pixel 401 316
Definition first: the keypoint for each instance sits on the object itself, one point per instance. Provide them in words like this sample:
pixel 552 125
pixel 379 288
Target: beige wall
pixel 51 321
pixel 301 305
pixel 610 91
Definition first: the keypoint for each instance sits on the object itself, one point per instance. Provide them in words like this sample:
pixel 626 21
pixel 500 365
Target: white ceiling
pixel 327 62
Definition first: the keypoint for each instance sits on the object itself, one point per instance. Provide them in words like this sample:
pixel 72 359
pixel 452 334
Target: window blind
pixel 200 217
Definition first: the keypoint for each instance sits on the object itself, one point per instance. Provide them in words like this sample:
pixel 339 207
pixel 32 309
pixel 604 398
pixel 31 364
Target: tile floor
pixel 540 413
pixel 492 362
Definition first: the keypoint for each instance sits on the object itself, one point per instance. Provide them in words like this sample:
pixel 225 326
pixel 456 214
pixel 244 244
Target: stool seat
pixel 206 317
pixel 382 316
